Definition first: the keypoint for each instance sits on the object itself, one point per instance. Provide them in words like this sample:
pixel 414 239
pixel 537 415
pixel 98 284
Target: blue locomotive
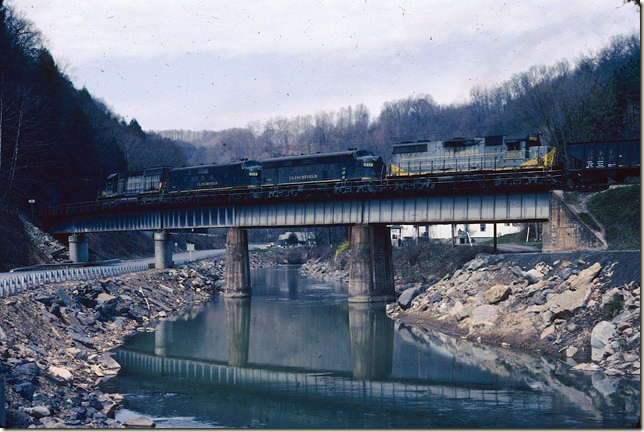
pixel 316 168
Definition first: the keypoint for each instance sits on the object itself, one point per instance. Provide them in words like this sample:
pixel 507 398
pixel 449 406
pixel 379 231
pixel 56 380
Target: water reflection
pixel 237 312
pixel 372 341
pixel 297 354
pixel 163 338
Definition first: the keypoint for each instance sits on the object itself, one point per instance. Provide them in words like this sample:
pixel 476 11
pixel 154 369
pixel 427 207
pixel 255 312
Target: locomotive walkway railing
pixel 21 283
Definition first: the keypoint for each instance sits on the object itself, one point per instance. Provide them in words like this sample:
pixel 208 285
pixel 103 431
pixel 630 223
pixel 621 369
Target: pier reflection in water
pixel 297 354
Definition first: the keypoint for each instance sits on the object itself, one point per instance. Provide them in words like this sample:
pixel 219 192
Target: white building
pixel 303 238
pixel 464 233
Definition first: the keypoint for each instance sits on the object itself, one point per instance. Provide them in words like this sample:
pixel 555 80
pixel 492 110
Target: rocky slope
pixel 583 306
pixel 54 341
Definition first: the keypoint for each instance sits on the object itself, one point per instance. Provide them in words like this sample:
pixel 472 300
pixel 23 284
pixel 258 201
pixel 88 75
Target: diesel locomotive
pixel 491 153
pixel 316 168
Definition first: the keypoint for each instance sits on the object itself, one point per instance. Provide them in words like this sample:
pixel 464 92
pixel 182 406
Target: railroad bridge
pixel 366 207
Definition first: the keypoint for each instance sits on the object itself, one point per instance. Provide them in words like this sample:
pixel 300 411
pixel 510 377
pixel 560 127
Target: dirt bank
pixel 53 341
pixel 582 306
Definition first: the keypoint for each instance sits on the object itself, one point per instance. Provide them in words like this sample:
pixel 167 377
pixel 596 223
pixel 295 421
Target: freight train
pixel 422 158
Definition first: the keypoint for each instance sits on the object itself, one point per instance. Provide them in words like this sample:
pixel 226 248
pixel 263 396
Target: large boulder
pixel 600 338
pixel 497 294
pixel 483 315
pixel 139 422
pixel 476 264
pixel 533 276
pixel 585 277
pixel 409 295
pixel 568 302
pixel 60 374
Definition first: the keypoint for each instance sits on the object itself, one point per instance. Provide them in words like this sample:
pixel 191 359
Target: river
pixel 297 354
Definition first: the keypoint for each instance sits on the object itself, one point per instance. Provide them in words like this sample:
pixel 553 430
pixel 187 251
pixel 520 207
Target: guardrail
pixel 18 284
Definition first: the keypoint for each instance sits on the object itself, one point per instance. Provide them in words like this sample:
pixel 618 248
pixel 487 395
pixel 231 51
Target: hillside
pixel 615 214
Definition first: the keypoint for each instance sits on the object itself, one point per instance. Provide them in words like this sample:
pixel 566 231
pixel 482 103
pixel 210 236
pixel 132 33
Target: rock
pixel 585 277
pixel 139 422
pixel 571 351
pixel 52 423
pixel 39 411
pixel 435 298
pixel 608 296
pixel 548 332
pixel 483 315
pixel 568 301
pixel 497 294
pixel 44 299
pixel 78 413
pixel 82 339
pixel 533 276
pixel 631 357
pixel 600 338
pixel 107 362
pixel 26 390
pixel 105 298
pixel 565 273
pixel 408 296
pixel 516 270
pixel 30 370
pixel 60 374
pixel 587 367
pixel 476 264
pixel 64 298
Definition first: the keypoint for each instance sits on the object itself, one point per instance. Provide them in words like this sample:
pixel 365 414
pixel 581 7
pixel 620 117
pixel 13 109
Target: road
pixel 178 258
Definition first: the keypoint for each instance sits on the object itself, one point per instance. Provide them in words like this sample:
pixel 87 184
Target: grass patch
pixel 518 237
pixel 588 220
pixel 572 197
pixel 618 210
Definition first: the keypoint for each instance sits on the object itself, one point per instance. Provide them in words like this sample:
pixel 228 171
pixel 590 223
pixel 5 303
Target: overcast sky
pixel 204 64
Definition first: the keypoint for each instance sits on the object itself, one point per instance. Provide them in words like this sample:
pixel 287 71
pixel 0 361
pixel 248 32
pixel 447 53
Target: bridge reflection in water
pixel 294 359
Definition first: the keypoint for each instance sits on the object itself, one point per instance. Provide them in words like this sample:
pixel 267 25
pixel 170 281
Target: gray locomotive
pixel 490 153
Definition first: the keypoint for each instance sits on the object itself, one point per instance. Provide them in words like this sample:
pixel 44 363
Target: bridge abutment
pixel 565 231
pixel 237 263
pixel 371 274
pixel 162 249
pixel 78 248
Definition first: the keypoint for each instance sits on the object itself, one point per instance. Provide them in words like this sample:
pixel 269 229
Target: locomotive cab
pixel 254 170
pixel 373 167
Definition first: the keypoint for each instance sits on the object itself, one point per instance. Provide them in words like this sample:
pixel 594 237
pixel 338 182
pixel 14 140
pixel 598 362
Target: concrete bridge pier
pixel 371 274
pixel 237 312
pixel 372 341
pixel 237 263
pixel 78 248
pixel 162 249
pixel 163 338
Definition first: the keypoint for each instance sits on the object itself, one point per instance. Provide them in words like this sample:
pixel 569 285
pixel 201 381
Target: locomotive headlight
pixel 368 164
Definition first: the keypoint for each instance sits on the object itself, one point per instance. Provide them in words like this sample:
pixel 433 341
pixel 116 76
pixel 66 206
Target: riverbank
pixel 54 340
pixel 581 306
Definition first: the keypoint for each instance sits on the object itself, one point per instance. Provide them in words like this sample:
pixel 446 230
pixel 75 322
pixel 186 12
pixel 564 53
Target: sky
pixel 218 64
